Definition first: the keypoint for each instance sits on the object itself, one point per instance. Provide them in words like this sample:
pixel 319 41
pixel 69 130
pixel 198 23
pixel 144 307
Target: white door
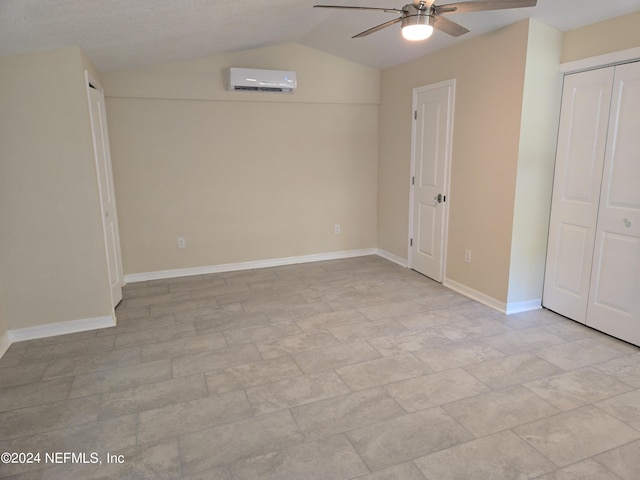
pixel 576 191
pixel 614 301
pixel 105 185
pixel 431 154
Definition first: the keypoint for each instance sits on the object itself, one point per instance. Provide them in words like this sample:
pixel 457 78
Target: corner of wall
pixel 536 160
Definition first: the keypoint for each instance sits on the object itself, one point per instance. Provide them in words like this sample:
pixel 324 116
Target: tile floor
pixel 343 369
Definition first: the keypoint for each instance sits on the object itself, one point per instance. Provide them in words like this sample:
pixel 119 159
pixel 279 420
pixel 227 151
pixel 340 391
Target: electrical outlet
pixel 182 242
pixel 467 255
pixel 337 229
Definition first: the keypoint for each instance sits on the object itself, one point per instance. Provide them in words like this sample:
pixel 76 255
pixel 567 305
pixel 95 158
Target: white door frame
pixel 91 81
pixel 447 173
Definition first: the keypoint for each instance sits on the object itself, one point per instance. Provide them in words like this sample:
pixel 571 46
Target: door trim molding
pixel 447 175
pixel 91 81
pixel 601 61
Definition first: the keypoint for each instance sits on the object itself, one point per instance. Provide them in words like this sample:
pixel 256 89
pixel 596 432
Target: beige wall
pixel 619 33
pixel 52 261
pixel 4 327
pixel 243 176
pixel 489 72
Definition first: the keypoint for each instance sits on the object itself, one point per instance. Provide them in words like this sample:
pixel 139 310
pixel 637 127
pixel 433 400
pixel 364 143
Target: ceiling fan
pixel 422 16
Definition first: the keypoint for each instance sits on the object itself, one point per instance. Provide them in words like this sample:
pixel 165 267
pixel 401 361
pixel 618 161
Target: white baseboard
pixel 233 267
pixel 61 328
pixel 475 295
pixel 502 307
pixel 5 343
pixel 519 307
pixel 392 258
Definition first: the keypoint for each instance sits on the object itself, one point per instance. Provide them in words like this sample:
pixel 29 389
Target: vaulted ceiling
pixel 124 34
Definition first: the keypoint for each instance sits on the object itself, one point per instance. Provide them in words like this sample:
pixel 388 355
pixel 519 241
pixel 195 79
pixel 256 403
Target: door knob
pixel 438 198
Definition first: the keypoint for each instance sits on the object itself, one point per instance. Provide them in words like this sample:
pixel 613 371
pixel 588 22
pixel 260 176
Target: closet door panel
pixel 576 191
pixel 614 304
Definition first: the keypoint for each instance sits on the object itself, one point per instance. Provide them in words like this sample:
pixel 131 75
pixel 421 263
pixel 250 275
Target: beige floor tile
pixel 110 435
pixel 335 357
pixel 625 369
pixel 52 416
pixel 251 374
pixel 140 323
pixel 435 389
pixel 624 461
pixel 471 329
pixel 326 458
pixel 31 394
pixel 262 334
pixel 382 371
pixel 177 419
pixel 523 340
pixel 323 321
pixel 75 348
pixel 389 309
pixel 295 344
pixel 183 346
pixel 227 444
pixel 270 397
pixel 625 407
pixel 93 362
pixel 367 329
pixel 402 471
pixel 153 335
pixel 512 370
pixel 160 461
pixel 215 360
pixel 404 438
pixel 492 412
pixel 346 412
pixel 153 395
pixel 223 321
pixel 457 355
pixel 416 322
pixel 502 456
pixel 577 388
pixel 576 435
pixel 120 378
pixel 581 353
pixel 585 470
pixel 21 374
pixel 412 342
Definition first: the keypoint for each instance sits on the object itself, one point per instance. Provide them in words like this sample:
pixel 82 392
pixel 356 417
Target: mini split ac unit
pixel 257 80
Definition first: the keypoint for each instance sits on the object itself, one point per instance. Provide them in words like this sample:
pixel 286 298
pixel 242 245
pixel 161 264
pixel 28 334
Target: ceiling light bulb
pixel 417 32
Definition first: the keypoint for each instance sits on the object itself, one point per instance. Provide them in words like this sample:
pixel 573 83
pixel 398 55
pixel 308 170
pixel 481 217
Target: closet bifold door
pixel 580 156
pixel 614 296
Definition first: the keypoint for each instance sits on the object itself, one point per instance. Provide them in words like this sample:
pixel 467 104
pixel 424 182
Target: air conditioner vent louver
pixel 259 89
pixel 258 80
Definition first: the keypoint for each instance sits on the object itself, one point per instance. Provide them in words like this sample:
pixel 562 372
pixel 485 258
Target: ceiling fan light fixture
pixel 417 27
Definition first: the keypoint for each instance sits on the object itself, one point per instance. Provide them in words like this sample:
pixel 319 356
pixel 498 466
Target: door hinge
pixel 411 242
pixel 415 114
pixel 413 180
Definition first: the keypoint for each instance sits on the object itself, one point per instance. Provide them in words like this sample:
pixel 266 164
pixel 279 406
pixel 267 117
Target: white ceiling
pixel 124 34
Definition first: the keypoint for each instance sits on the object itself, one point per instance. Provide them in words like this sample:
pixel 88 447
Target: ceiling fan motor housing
pixel 412 15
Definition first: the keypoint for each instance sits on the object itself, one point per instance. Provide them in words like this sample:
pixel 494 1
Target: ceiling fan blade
pixel 347 7
pixel 480 6
pixel 378 27
pixel 447 26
